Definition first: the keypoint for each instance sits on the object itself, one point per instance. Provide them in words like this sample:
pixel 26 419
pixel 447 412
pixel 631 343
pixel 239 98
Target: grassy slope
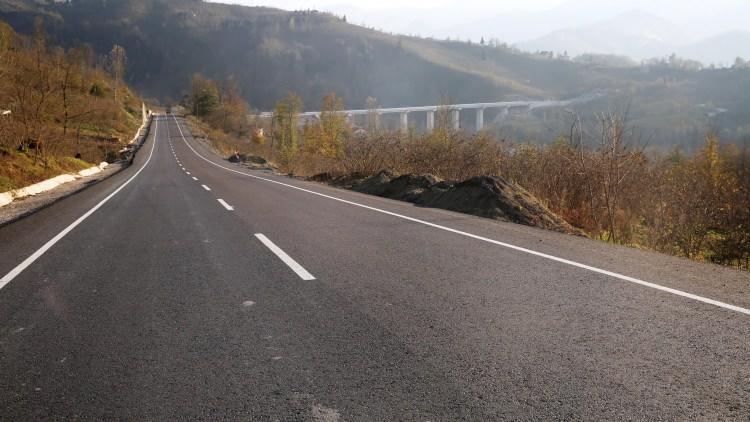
pixel 18 169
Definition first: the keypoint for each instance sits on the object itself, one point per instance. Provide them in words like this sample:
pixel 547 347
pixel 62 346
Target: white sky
pixel 496 6
pixel 518 20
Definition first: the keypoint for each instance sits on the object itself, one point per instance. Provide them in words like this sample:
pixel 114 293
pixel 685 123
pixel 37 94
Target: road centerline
pixel 225 205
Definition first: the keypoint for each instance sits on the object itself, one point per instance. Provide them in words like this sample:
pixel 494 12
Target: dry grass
pixel 19 169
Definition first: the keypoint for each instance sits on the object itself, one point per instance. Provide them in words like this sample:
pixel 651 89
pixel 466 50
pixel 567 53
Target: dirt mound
pixel 253 162
pixel 244 158
pixel 486 196
pixel 374 185
pixel 349 181
pixel 322 178
pixel 409 187
pixel 497 198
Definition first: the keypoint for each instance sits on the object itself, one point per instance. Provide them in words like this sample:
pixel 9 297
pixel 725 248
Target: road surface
pixel 186 287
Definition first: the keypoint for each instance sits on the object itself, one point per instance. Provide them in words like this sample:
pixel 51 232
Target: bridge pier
pixel 480 119
pixel 430 125
pixel 456 114
pixel 503 114
pixel 404 122
pixel 373 121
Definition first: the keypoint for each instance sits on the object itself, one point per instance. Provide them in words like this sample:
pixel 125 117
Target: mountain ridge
pixel 640 36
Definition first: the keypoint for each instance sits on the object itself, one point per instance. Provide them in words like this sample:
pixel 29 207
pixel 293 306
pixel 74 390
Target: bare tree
pixel 618 157
pixel 117 60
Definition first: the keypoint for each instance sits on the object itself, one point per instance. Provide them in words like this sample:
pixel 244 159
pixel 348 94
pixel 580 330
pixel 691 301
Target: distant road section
pixel 186 287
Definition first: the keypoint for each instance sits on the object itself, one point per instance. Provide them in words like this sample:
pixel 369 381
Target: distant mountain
pixel 518 26
pixel 721 49
pixel 635 34
pixel 641 35
pixel 270 52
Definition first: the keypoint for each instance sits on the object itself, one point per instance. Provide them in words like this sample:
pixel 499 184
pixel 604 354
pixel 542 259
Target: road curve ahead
pixel 188 288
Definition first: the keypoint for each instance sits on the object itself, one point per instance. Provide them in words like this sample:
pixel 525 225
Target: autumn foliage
pixel 57 105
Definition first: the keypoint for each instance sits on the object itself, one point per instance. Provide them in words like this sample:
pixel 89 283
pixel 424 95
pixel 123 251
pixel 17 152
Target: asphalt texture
pixel 164 305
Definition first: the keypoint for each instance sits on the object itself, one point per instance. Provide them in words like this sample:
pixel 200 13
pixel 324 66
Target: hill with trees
pixel 61 109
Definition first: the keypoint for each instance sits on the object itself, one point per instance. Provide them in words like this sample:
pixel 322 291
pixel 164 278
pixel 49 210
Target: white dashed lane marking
pixel 225 205
pixel 291 263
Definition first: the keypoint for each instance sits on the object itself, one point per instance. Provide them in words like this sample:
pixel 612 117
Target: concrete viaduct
pixel 454 110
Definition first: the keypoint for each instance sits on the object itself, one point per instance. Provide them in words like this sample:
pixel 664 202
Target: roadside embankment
pixel 18 203
pixel 485 196
pixel 49 184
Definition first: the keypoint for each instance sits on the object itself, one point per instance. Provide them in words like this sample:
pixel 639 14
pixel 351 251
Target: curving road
pixel 188 288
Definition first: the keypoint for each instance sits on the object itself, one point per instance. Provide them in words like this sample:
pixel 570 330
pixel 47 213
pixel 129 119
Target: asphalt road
pixel 289 300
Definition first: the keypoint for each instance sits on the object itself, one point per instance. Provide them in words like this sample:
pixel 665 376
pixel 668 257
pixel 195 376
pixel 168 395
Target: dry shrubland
pixel 600 180
pixel 59 104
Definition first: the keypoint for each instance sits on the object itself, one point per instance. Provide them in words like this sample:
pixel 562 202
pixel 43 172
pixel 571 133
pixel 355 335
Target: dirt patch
pixel 486 196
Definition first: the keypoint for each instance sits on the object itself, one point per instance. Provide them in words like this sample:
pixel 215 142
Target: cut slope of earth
pixel 484 196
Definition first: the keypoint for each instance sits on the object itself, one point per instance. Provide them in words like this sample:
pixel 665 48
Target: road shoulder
pixel 21 208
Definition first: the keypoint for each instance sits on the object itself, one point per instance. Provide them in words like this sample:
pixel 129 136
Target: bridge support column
pixel 456 114
pixel 480 119
pixel 430 125
pixel 404 122
pixel 504 114
pixel 373 121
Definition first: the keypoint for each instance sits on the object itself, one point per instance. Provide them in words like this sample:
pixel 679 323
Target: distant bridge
pixel 454 109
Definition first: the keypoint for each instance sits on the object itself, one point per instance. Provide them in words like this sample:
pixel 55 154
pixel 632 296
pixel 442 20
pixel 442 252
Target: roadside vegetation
pixel 600 179
pixel 60 110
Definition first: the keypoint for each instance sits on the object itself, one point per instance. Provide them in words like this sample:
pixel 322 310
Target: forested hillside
pixel 270 52
pixel 61 110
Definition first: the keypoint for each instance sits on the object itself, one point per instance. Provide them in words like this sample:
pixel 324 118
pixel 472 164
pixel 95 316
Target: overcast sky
pixel 489 5
pixel 515 21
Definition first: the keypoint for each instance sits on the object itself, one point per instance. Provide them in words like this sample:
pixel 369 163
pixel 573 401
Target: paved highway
pixel 188 288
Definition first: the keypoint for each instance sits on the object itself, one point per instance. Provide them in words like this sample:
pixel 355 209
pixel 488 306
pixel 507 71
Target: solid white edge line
pixel 291 263
pixel 39 252
pixel 485 239
pixel 225 205
pixel 206 187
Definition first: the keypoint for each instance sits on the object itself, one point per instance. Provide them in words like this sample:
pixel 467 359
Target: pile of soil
pixel 485 196
pixel 253 162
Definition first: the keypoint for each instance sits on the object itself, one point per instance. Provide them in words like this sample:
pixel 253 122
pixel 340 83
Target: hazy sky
pixel 515 21
pixel 489 5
